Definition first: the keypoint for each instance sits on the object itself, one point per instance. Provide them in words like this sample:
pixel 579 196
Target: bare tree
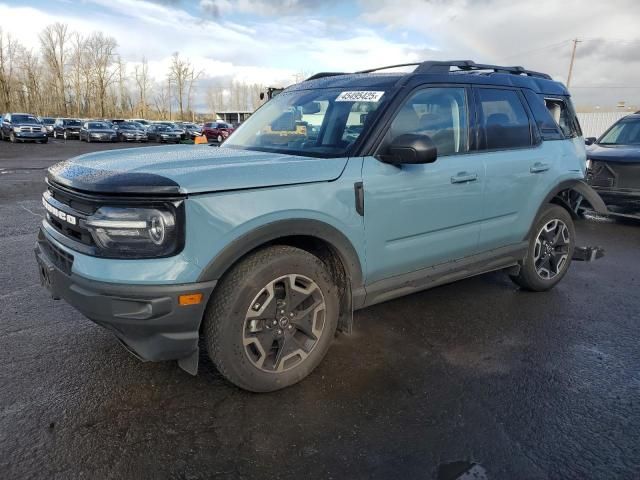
pixel 77 72
pixel 53 42
pixel 182 75
pixel 32 89
pixel 123 91
pixel 102 52
pixel 141 73
pixel 162 100
pixel 8 50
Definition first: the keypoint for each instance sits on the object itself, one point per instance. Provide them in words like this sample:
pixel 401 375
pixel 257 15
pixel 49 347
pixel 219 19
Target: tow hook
pixel 587 254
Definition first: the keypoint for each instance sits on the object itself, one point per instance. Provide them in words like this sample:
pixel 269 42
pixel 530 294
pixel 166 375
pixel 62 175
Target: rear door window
pixel 503 119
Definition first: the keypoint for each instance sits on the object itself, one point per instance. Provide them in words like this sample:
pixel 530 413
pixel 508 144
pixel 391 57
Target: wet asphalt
pixel 474 377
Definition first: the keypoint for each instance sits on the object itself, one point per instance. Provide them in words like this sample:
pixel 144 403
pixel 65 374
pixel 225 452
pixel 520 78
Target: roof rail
pixel 324 74
pixel 390 66
pixel 467 65
pixel 444 67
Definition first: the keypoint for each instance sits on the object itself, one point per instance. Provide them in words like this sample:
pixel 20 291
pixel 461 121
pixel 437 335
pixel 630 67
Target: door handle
pixel 464 177
pixel 539 167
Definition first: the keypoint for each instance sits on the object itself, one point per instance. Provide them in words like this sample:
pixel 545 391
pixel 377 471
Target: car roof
pixel 454 71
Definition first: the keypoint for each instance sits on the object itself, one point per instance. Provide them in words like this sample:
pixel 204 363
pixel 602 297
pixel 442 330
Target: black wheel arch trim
pixel 271 232
pixel 577 185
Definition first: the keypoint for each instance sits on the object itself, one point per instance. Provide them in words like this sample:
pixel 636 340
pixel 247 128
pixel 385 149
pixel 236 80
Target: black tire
pixel 65 135
pixel 12 137
pixel 55 134
pixel 227 316
pixel 534 275
pixel 88 138
pixel 219 138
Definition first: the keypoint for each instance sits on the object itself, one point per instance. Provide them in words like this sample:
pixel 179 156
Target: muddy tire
pixel 271 319
pixel 550 250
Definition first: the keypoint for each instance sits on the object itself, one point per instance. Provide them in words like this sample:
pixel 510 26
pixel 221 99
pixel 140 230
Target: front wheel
pixel 550 251
pixel 12 137
pixel 219 138
pixel 271 319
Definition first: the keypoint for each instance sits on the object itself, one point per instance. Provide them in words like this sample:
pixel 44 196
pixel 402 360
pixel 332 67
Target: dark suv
pixel 22 127
pixel 67 128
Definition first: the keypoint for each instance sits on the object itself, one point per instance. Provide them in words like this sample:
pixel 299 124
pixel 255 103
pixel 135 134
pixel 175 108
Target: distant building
pixel 233 116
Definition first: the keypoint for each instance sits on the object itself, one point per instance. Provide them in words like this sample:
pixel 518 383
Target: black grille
pixel 618 175
pixel 60 258
pixel 78 207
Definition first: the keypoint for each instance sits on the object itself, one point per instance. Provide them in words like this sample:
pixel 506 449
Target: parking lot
pixel 473 377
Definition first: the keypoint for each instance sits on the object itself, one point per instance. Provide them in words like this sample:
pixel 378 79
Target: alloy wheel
pixel 551 250
pixel 284 323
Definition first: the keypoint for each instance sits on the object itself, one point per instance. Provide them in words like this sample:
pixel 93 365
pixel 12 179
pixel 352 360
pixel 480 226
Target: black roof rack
pixel 325 74
pixel 444 67
pixel 468 65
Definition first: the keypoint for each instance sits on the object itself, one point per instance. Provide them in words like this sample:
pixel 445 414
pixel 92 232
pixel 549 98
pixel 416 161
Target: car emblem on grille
pixel 54 212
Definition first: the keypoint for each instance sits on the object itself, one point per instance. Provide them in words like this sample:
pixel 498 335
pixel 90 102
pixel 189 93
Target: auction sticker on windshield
pixel 362 96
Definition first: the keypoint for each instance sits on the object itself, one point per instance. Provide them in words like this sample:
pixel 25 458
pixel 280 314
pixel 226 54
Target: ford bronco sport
pixel 343 191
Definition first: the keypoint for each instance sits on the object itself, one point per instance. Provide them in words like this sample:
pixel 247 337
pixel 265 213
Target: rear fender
pixel 575 196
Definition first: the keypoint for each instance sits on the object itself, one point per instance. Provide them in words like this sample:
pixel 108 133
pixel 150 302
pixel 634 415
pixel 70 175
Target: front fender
pixel 269 232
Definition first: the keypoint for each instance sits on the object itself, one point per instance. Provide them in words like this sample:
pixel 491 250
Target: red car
pixel 217 131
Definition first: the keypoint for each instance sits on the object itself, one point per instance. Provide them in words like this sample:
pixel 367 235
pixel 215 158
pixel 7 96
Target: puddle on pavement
pixel 462 471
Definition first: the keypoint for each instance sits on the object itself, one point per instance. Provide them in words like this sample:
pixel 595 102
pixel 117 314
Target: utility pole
pixel 573 58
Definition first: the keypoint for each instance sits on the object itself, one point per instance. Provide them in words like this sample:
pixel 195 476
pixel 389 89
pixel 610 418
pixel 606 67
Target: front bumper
pixel 30 135
pixel 147 319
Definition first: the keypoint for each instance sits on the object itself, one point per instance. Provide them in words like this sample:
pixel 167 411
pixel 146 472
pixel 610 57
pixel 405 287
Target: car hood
pixel 186 169
pixel 614 153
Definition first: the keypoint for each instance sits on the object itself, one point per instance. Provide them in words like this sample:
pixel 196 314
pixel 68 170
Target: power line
pixel 539 49
pixel 606 86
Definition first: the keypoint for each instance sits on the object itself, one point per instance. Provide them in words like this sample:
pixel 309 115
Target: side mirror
pixel 311 108
pixel 261 95
pixel 411 148
pixel 590 140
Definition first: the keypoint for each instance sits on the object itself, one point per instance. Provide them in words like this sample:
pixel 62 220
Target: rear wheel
pixel 550 251
pixel 271 319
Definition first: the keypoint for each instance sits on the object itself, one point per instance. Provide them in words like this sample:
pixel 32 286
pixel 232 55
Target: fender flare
pixel 580 187
pixel 270 232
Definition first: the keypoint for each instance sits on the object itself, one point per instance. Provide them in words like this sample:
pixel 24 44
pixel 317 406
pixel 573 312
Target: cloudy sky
pixel 273 42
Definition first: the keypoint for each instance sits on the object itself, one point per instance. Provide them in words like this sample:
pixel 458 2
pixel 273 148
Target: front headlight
pixel 43 129
pixel 135 232
pixel 16 129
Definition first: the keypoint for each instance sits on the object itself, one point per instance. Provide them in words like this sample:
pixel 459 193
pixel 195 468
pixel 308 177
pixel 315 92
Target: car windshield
pixel 625 132
pixel 24 119
pixel 163 128
pixel 314 123
pixel 128 126
pixel 48 121
pixel 73 123
pixel 98 125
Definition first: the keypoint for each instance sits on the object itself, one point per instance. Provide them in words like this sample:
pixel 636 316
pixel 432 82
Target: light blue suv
pixel 343 191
